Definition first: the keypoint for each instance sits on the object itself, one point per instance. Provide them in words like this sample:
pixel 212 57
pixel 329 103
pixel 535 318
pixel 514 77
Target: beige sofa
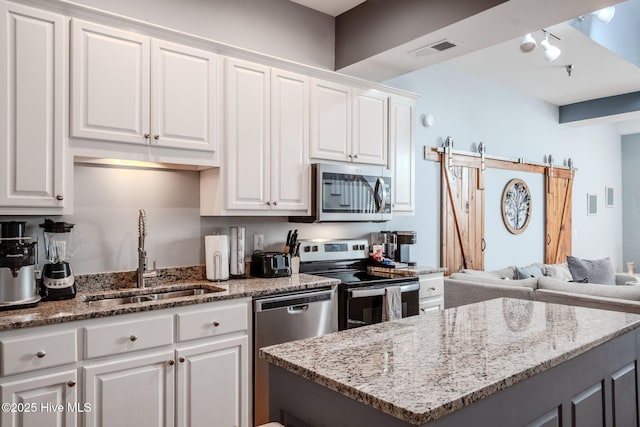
pixel 469 286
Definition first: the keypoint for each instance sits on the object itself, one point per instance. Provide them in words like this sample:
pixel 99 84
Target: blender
pixel 18 256
pixel 58 281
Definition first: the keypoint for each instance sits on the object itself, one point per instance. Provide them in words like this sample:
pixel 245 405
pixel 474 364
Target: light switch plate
pixel 258 242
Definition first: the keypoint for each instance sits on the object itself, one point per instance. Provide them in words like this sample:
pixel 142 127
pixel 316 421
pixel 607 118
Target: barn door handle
pixel 548 239
pixel 484 245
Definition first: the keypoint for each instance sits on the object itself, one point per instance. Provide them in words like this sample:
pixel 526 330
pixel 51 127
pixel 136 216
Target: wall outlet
pixel 258 242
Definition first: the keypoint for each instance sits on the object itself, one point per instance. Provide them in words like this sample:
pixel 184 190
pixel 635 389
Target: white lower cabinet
pixel 41 400
pixel 135 391
pixel 134 370
pixel 431 292
pixel 212 381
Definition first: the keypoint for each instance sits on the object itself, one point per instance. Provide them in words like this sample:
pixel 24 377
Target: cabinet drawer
pixel 122 337
pixel 37 352
pixel 211 322
pixel 433 305
pixel 431 286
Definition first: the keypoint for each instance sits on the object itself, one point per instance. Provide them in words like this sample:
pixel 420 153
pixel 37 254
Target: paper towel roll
pixel 216 252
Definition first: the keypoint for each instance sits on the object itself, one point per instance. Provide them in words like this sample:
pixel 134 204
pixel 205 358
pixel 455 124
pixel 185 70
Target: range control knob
pixel 307 249
pixel 314 248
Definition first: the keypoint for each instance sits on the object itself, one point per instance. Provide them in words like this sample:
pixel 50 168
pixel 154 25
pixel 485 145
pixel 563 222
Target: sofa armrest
pixel 460 292
pixel 604 303
pixel 623 278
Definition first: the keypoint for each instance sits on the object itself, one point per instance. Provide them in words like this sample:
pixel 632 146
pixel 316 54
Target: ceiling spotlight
pixel 551 52
pixel 528 43
pixel 605 15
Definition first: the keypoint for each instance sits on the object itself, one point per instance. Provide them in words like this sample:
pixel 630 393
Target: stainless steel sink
pixel 115 301
pixel 155 294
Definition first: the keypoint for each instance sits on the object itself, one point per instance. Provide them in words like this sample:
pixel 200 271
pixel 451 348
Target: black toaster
pixel 270 264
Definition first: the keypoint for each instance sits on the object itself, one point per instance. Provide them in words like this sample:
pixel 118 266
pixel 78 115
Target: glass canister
pixel 236 256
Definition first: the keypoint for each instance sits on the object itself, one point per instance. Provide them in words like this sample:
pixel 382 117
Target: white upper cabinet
pixel 131 88
pixel 290 169
pixel 370 134
pixel 402 154
pixel 348 124
pixel 330 121
pixel 32 76
pixel 109 83
pixel 267 168
pixel 248 136
pixel 184 96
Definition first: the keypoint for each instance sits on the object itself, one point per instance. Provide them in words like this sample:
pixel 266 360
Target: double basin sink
pixel 154 294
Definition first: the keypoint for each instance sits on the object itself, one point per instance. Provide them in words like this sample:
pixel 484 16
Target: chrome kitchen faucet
pixel 143 273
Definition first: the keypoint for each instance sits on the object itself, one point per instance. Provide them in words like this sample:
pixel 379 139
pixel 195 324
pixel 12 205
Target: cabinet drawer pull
pixel 432 288
pixel 181 360
pixel 60 197
pixel 172 362
pixel 216 324
pixel 424 310
pixel 41 354
pixel 133 338
pixel 71 383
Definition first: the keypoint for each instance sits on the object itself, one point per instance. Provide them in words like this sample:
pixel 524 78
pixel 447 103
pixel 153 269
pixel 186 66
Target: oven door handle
pixel 377 291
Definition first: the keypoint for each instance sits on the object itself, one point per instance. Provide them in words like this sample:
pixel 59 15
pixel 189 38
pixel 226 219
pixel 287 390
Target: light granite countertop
pixel 51 312
pixel 422 368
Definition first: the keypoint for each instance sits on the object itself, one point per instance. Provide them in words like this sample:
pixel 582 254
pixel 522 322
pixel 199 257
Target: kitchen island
pixel 500 362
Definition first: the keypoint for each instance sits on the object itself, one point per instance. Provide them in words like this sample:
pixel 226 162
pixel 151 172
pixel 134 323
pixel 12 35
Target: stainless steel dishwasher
pixel 282 318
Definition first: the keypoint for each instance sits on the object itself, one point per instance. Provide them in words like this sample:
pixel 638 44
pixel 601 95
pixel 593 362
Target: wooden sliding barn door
pixel 462 217
pixel 559 185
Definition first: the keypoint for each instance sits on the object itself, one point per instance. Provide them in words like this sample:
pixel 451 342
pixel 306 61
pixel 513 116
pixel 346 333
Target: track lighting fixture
pixel 551 52
pixel 604 15
pixel 528 43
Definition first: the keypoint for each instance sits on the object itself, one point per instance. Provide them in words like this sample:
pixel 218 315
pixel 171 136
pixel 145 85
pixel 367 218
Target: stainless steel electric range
pixel 360 295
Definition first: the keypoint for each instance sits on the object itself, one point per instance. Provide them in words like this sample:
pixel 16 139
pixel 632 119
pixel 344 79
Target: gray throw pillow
pixel 596 271
pixel 532 270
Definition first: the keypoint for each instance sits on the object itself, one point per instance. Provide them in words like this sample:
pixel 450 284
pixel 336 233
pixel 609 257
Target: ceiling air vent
pixel 433 48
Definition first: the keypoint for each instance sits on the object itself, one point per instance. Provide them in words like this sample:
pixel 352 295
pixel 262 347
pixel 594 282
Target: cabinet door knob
pixel 59 197
pixel 424 310
pixel 156 137
pixel 350 156
pixel 133 338
pixel 432 288
pixel 41 354
pixel 181 360
pixel 216 324
pixel 147 135
pixel 171 362
pixel 268 203
pixel 355 156
pixel 71 383
pixel 275 203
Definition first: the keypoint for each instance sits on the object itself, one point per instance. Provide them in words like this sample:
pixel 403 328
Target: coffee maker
pixel 404 241
pixel 58 281
pixel 18 256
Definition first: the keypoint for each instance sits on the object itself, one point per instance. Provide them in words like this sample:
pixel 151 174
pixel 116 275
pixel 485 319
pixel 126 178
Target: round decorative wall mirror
pixel 516 206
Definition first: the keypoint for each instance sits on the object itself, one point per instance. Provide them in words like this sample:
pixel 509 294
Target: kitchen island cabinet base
pixel 596 388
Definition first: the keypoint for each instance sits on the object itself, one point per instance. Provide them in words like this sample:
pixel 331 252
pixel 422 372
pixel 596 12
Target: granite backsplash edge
pixel 127 279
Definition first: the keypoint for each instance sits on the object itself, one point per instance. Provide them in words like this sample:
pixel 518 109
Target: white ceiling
pixel 488 47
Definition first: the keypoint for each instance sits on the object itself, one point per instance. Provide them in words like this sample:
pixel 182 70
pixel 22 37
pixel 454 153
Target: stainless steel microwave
pixel 349 193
